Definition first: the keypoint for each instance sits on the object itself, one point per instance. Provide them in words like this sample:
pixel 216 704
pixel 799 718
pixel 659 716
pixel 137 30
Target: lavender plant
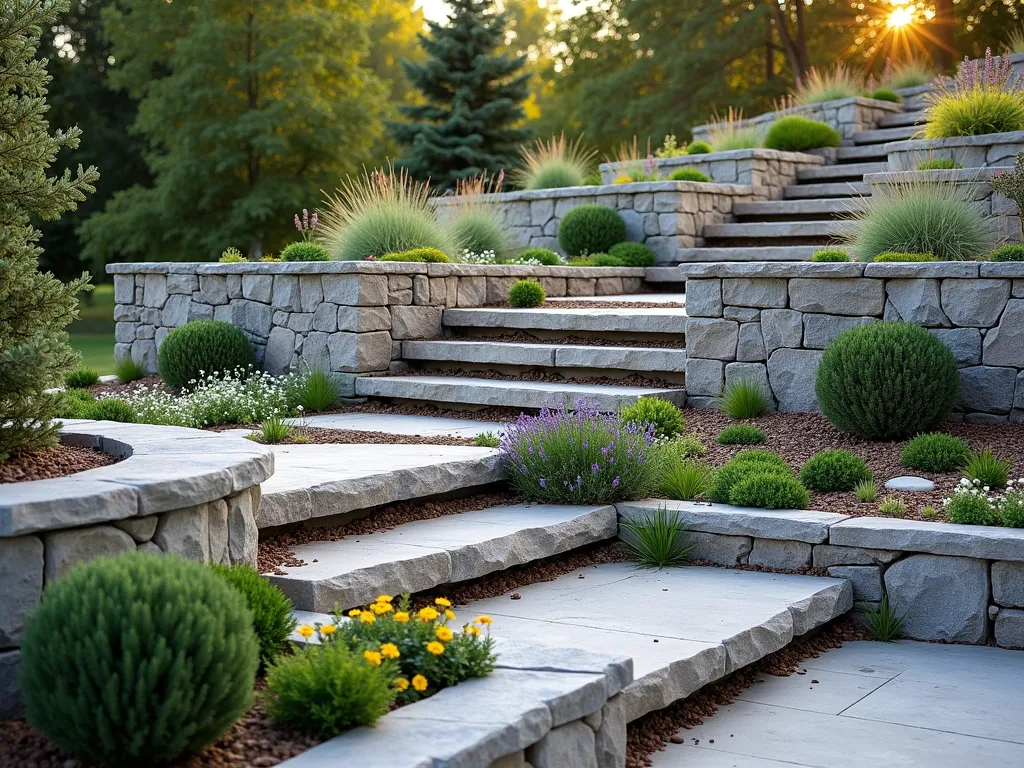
pixel 578 456
pixel 1010 184
pixel 984 97
pixel 307 225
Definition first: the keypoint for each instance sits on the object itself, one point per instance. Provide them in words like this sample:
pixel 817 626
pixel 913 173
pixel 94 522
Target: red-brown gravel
pixel 59 461
pixel 652 732
pixel 319 436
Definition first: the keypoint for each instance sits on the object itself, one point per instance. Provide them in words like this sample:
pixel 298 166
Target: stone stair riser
pixel 547 355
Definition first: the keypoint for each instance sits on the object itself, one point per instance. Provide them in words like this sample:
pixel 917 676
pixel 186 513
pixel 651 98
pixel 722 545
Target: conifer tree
pixel 474 99
pixel 34 307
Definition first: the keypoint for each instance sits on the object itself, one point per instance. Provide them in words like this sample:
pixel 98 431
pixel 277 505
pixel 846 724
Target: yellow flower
pixel 485 620
pixel 401 617
pixel 384 599
pixel 444 602
pixel 390 650
pixel 328 629
pixel 305 630
pixel 435 648
pixel 427 614
pixel 449 613
pixel 444 633
pixel 419 683
pixel 374 657
pixel 367 618
pixel 380 607
pixel 354 612
pixel 402 684
pixel 474 631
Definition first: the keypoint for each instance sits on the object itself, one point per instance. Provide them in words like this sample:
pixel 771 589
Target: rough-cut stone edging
pixel 424 554
pixel 632 188
pixel 973 152
pixel 837 271
pixel 165 468
pixel 732 162
pixel 559 706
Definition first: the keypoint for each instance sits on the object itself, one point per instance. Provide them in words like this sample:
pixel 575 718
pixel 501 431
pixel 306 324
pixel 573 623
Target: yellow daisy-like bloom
pixel 427 614
pixel 354 612
pixel 374 657
pixel 419 682
pixel 401 617
pixel 402 684
pixel 367 618
pixel 435 648
pixel 384 598
pixel 444 602
pixel 449 613
pixel 328 629
pixel 485 620
pixel 474 631
pixel 390 650
pixel 305 630
pixel 444 633
pixel 380 607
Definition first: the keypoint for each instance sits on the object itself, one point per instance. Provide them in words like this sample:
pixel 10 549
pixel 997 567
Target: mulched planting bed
pixel 117 389
pixel 653 732
pixel 277 551
pixel 584 341
pixel 59 461
pixel 320 436
pixel 798 436
pixel 540 374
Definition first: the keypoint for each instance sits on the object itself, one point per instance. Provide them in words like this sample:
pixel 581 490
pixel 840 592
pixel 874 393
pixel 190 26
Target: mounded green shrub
pixel 272 619
pixel 606 260
pixel 698 148
pixel 741 434
pixel 545 256
pixel 938 164
pixel 202 348
pixel 688 174
pixel 886 381
pixel 769 490
pixel 525 294
pixel 81 378
pixel 883 258
pixel 885 94
pixel 590 229
pixel 830 255
pixel 1011 252
pixel 426 255
pixel 633 254
pixel 796 134
pixel 664 416
pixel 971 509
pixel 138 660
pixel 305 251
pixel 935 452
pixel 753 461
pixel 75 404
pixel 112 409
pixel 836 470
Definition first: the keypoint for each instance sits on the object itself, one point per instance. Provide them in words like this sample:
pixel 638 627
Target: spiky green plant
pixel 554 163
pixel 81 378
pixel 743 399
pixel 741 434
pixel 935 452
pixel 273 431
pixel 127 370
pixel 685 480
pixel 908 73
pixel 939 164
pixel 1015 42
pixel 730 132
pixel 316 390
pixel 866 490
pixel 883 623
pixel 840 82
pixel 984 97
pixel 657 539
pixel 476 221
pixel 893 506
pixel 987 468
pixel 486 440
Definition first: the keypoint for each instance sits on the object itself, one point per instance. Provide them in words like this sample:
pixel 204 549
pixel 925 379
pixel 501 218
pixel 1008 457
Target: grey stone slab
pixel 10 688
pixel 829 693
pixel 866 580
pixel 922 270
pixel 1008 584
pixel 750 346
pixel 515 654
pixel 712 338
pixel 572 744
pixel 21 573
pixel 718 548
pixel 781 328
pixel 1004 344
pixel 842 297
pixel 781 524
pixel 480 352
pixel 42 505
pixel 977 541
pixel 910 483
pixel 704 298
pixel 977 303
pixel 1009 628
pixel 780 555
pixel 704 378
pixel 624 320
pixel 987 389
pixel 822 330
pixel 792 373
pixel 65 549
pixel 760 267
pixel 761 292
pixel 401 424
pixel 964 343
pixel 940 598
pixel 622 358
pixel 917 301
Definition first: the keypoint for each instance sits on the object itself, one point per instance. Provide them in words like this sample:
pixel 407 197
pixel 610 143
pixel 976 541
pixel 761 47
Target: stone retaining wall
pixel 767 170
pixel 348 318
pixel 664 215
pixel 848 116
pixel 991 150
pixel 954 583
pixel 770 323
pixel 182 491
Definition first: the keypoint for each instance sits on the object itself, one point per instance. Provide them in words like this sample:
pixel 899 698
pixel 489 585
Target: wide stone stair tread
pixel 880 135
pixel 840 171
pixel 827 189
pixel 425 554
pixel 746 253
pixel 772 229
pixel 901 119
pixel 862 153
pixel 547 355
pixel 708 622
pixel 826 207
pixel 514 393
pixel 568 320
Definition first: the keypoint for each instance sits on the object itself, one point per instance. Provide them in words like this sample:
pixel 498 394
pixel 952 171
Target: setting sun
pixel 901 16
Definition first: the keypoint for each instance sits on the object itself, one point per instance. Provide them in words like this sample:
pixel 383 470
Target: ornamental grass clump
pixel 588 229
pixel 987 469
pixel 477 223
pixel 128 370
pixel 138 660
pixel 984 97
pixel 554 163
pixel 743 399
pixel 939 164
pixel 663 417
pixel 272 619
pixel 420 255
pixel 935 452
pixel 769 490
pixel 685 480
pixel 81 378
pixel 315 390
pixel 887 381
pixel 840 82
pixel 730 133
pixel 578 456
pixel 836 470
pixel 794 133
pixel 202 348
pixel 657 539
pixel 909 73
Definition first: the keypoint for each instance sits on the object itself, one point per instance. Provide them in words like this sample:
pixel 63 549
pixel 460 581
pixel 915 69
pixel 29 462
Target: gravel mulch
pixel 653 732
pixel 321 436
pixel 59 461
pixel 117 389
pixel 798 436
pixel 520 337
pixel 278 551
pixel 541 374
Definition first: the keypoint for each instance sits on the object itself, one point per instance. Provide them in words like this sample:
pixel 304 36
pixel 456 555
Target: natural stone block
pixel 755 373
pixel 791 373
pixel 718 548
pixel 301 322
pixel 65 549
pixel 942 598
pixel 761 292
pixel 827 555
pixel 1008 584
pixel 704 377
pixel 315 353
pixel 964 343
pixel 1004 344
pixel 438 295
pixel 840 296
pixel 364 319
pixel 780 555
pixel 975 303
pixel 579 286
pixel 781 328
pixel 987 389
pixel 185 532
pixel 280 347
pixel 866 580
pixel 252 316
pixel 10 688
pixel 217 511
pixel 325 318
pixel 154 291
pixel 704 298
pixel 1009 628
pixel 124 289
pixel 473 291
pixel 235 286
pixel 918 301
pixel 21 574
pixel 610 738
pixel 742 314
pixel 415 322
pixel 213 289
pixel 569 744
pixel 750 347
pixel 286 293
pixel 711 338
pixel 182 284
pixel 498 288
pixel 360 352
pixel 243 535
pixel 258 288
pixel 141 529
pixel 608 286
pixel 356 290
pixel 821 330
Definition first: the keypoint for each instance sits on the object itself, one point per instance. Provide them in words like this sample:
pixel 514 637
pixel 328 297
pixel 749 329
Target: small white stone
pixel 910 483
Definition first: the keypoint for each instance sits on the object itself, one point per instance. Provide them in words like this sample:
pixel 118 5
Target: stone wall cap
pixel 962 176
pixel 1002 269
pixel 983 140
pixel 608 190
pixel 756 153
pixel 785 269
pixel 979 541
pixel 861 101
pixel 937 269
pixel 527 270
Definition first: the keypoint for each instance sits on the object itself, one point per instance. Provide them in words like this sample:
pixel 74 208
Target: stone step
pixel 647 298
pixel 569 320
pixel 470 391
pixel 830 189
pixel 778 229
pixel 547 355
pixel 708 622
pixel 840 171
pixel 425 554
pixel 751 253
pixel 882 135
pixel 864 152
pixel 901 119
pixel 794 210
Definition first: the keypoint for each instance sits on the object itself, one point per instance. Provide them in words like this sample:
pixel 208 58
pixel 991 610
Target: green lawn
pixel 93 333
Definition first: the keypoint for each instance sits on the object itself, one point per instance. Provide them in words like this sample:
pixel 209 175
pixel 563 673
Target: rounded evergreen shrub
pixel 886 381
pixel 304 251
pixel 830 255
pixel 112 409
pixel 890 256
pixel 796 134
pixel 688 174
pixel 741 434
pixel 761 456
pixel 138 660
pixel 545 256
pixel 885 94
pixel 834 471
pixel 606 260
pixel 1013 252
pixel 633 254
pixel 664 416
pixel 202 348
pixel 740 466
pixel 272 619
pixel 970 509
pixel 698 148
pixel 935 452
pixel 590 229
pixel 525 294
pixel 425 255
pixel 769 490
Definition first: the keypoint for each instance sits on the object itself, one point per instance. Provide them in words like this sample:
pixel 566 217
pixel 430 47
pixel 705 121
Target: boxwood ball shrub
pixel 887 381
pixel 202 348
pixel 665 418
pixel 752 461
pixel 525 294
pixel 424 255
pixel 590 229
pixel 1008 253
pixel 741 434
pixel 272 619
pixel 698 148
pixel 885 94
pixel 830 255
pixel 935 452
pixel 769 490
pixel 138 660
pixel 887 257
pixel 795 134
pixel 305 251
pixel 633 254
pixel 606 260
pixel 836 470
pixel 545 256
pixel 688 174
